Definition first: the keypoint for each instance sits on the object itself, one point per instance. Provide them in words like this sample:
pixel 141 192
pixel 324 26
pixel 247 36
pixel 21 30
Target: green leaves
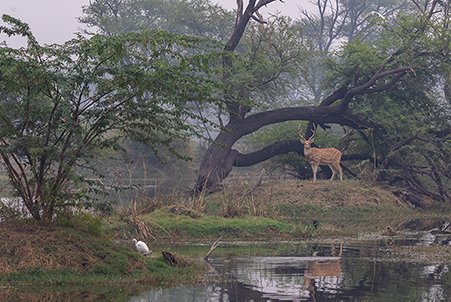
pixel 60 103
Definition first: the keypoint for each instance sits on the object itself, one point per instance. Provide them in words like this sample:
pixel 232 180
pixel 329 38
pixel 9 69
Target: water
pixel 350 273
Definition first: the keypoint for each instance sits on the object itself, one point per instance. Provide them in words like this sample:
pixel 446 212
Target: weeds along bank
pixel 82 247
pixel 274 210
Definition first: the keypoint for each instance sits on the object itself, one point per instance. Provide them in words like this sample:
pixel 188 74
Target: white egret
pixel 141 247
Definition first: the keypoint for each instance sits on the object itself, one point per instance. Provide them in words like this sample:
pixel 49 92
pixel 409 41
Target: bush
pixel 82 221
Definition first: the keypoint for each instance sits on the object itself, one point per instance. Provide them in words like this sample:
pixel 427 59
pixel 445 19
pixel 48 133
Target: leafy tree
pixel 377 59
pixel 60 104
pixel 188 17
pixel 361 70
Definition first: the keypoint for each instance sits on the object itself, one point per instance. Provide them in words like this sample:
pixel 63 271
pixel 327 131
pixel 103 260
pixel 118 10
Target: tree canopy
pixel 59 104
pixel 379 66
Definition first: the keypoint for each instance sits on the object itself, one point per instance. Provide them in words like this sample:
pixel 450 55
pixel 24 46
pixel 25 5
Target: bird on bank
pixel 141 247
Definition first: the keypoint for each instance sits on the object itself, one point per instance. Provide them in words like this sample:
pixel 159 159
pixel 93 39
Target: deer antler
pixel 299 133
pixel 314 131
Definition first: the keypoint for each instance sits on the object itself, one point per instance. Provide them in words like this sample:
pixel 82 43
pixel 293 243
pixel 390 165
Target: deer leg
pixel 341 172
pixel 315 169
pixel 339 169
pixel 334 171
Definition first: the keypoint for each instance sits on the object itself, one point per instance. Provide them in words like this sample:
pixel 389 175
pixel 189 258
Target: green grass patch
pixel 213 226
pixel 84 222
pixel 354 220
pixel 71 285
pixel 33 253
pixel 154 272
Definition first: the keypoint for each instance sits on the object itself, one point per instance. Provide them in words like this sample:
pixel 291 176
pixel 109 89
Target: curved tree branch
pixel 282 147
pixel 365 87
pixel 322 115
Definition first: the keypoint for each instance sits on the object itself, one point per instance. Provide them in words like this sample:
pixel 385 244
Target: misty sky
pixel 54 21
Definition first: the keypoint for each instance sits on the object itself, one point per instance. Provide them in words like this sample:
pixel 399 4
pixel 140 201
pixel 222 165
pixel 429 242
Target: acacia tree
pixel 188 17
pixel 60 104
pixel 335 22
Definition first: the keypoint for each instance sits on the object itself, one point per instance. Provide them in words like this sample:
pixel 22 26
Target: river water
pixel 345 270
pixel 349 272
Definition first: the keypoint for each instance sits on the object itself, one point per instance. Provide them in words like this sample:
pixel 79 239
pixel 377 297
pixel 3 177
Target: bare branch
pixel 259 18
pixel 363 88
pixel 213 247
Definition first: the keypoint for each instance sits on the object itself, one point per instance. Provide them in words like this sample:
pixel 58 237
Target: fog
pixel 55 21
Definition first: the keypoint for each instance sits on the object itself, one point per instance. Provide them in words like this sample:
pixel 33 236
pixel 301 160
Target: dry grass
pixel 326 193
pixel 239 199
pixel 28 245
pixel 342 208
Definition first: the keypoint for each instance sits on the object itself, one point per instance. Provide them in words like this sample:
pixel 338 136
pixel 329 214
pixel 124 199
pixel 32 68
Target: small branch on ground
pixel 212 248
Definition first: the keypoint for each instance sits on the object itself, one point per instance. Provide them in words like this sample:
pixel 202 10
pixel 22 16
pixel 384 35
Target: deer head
pixel 304 141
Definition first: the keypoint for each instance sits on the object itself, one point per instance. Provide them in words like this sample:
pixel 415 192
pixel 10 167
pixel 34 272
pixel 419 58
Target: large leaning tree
pixel 412 46
pixel 376 66
pixel 61 104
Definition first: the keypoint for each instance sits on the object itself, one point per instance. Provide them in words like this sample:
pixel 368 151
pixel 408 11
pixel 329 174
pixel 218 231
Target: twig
pixel 212 248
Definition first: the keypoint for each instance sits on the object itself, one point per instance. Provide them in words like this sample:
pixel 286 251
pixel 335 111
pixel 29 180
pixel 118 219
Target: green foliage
pixel 266 64
pixel 188 17
pixel 60 104
pixel 412 110
pixel 360 58
pixel 82 221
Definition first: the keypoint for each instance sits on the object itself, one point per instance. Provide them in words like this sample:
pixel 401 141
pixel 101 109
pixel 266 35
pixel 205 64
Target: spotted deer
pixel 321 156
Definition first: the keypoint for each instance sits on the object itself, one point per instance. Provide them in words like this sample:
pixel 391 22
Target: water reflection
pixel 299 272
pixel 280 278
pixel 352 274
pixel 184 293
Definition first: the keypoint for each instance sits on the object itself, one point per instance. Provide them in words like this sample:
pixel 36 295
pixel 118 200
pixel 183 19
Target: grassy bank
pixel 284 210
pixel 85 249
pixel 77 252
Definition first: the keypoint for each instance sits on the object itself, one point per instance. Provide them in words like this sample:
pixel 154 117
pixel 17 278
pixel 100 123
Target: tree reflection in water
pixel 350 273
pixel 355 272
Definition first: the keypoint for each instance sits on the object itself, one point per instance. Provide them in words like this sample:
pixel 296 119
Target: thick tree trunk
pixel 220 158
